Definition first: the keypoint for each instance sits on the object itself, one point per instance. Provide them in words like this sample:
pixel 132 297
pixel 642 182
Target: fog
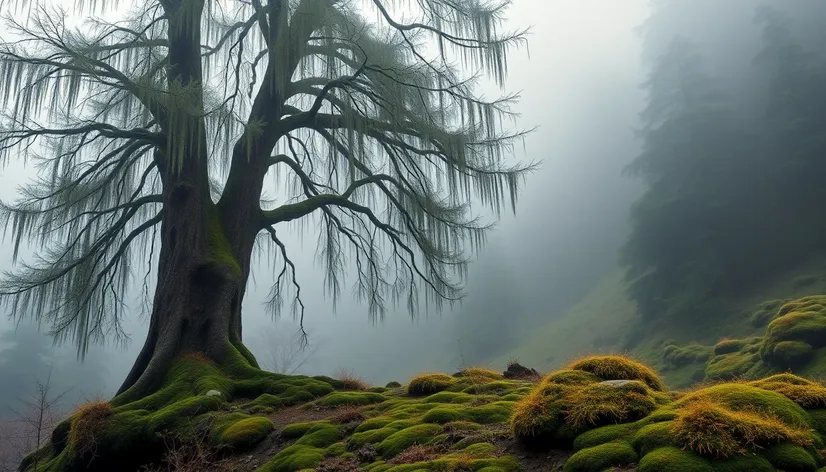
pixel 579 82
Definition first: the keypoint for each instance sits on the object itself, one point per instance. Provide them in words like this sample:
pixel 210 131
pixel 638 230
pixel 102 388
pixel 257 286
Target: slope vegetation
pixel 606 321
pixel 597 413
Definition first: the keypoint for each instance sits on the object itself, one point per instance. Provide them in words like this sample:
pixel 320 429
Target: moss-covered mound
pixel 232 408
pixel 593 392
pixel 600 413
pixel 773 423
pixel 619 368
pixel 197 399
pixel 794 340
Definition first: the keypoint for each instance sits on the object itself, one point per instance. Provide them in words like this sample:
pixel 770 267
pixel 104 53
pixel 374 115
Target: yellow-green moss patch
pixel 247 432
pixel 599 458
pixel 401 440
pixel 428 384
pixel 619 368
pixel 673 459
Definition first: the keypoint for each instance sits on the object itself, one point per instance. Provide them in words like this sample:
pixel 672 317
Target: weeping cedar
pixel 162 128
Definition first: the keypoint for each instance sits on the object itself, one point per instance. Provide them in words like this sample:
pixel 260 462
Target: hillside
pixel 605 321
pixel 600 413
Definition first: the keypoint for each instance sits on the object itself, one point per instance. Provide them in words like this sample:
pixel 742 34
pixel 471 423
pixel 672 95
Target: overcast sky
pixel 580 86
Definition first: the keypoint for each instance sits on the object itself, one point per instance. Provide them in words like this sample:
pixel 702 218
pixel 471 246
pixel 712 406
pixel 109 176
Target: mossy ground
pixel 794 339
pixel 601 412
pixel 773 423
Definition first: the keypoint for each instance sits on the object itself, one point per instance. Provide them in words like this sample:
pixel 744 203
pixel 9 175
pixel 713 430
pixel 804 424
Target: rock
pixel 518 371
pixel 213 393
pixel 347 428
pixel 615 383
pixel 367 453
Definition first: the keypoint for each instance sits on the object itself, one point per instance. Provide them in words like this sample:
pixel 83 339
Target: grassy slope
pixel 605 320
pixel 475 421
pixel 598 323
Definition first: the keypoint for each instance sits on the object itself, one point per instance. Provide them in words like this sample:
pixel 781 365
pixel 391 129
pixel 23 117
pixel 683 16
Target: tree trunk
pixel 202 274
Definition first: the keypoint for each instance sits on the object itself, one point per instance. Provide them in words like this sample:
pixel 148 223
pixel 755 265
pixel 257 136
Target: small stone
pixel 213 393
pixel 615 383
pixel 367 453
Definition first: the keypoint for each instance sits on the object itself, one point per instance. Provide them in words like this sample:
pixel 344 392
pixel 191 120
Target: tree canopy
pixel 277 111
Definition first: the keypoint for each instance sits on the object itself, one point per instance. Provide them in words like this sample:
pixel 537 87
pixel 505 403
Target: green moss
pixel 479 375
pixel 749 462
pixel 247 432
pixel 491 413
pixel 293 458
pixel 480 449
pixel 766 312
pixel 374 436
pixel 678 356
pixel 449 397
pixel 554 414
pixel 730 366
pixel 393 385
pixel 792 353
pixel 816 367
pixel 445 414
pixel 351 399
pixel 453 462
pixel 464 426
pixel 220 251
pixel 805 393
pixel 428 384
pixel 495 386
pixel 599 458
pixel 322 434
pixel 604 435
pixel 802 322
pixel 374 423
pixel 619 368
pixel 790 458
pixel 673 459
pixel 727 346
pixel 177 415
pixel 401 440
pixel 296 430
pixel 741 397
pixel 571 377
pixel 476 438
pixel 819 420
pixel 654 436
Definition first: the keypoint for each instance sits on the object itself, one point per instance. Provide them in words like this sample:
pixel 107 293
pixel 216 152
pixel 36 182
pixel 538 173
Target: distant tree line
pixel 735 169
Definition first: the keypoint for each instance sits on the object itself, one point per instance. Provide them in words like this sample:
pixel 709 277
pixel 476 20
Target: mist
pixel 579 86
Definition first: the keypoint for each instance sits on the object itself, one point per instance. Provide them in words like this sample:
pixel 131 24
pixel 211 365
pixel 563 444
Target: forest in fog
pixel 679 143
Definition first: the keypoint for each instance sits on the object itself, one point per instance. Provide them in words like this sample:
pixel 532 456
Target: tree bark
pixel 201 279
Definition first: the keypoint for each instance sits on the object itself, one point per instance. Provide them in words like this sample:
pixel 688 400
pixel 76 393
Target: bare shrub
pixel 350 380
pixel 190 454
pixel 35 420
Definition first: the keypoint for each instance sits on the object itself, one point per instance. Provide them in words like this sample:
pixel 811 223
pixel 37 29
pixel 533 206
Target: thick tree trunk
pixel 202 272
pixel 197 305
pixel 205 247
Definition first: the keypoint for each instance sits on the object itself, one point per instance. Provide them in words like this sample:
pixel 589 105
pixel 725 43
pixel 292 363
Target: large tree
pixel 161 134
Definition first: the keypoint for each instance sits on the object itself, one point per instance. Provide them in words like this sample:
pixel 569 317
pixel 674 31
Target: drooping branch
pixel 388 148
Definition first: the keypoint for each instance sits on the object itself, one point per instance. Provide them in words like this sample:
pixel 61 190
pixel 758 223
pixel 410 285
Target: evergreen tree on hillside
pixel 161 135
pixel 734 185
pixel 688 140
pixel 793 139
